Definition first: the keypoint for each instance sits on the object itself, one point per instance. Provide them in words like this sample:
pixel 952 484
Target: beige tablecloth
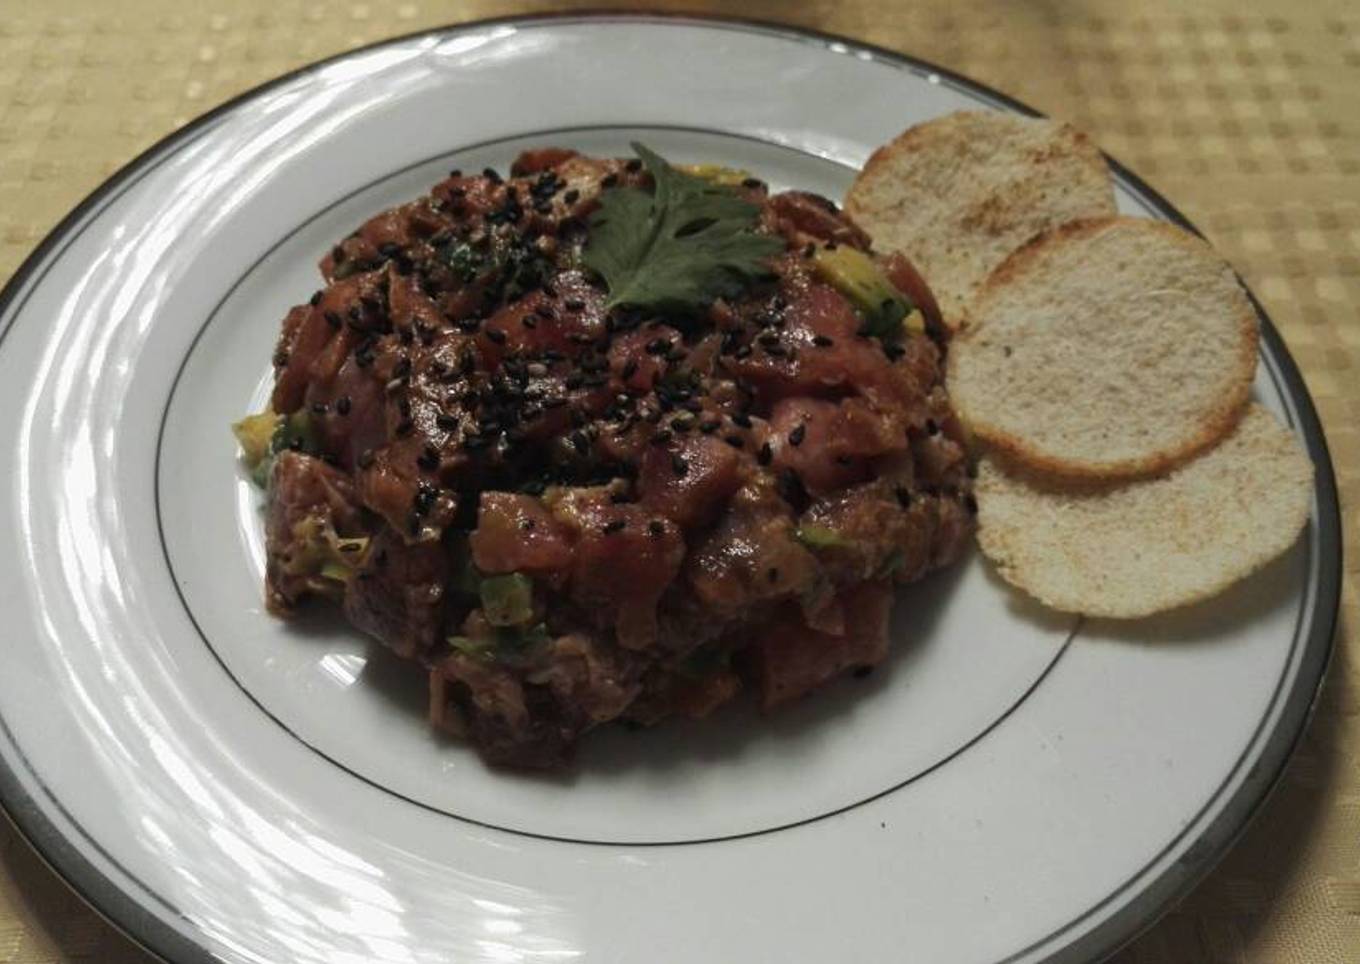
pixel 1243 114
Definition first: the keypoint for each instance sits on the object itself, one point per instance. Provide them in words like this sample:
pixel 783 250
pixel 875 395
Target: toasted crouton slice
pixel 959 193
pixel 1106 349
pixel 1136 548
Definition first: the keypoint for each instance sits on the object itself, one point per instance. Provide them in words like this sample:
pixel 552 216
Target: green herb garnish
pixel 677 249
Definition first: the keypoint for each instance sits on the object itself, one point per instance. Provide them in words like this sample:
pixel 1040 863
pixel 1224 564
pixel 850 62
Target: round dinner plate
pixel 1011 786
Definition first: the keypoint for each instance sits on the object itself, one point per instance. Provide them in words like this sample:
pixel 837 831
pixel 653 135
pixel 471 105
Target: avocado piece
pixel 254 433
pixel 296 432
pixel 857 276
pixel 716 173
pixel 819 537
pixel 507 600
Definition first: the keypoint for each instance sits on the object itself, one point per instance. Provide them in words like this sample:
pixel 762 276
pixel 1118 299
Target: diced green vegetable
pixel 327 559
pixel 507 600
pixel 507 643
pixel 254 433
pixel 819 537
pixel 264 435
pixel 262 472
pixel 857 276
pixel 295 431
pixel 715 173
pixel 480 648
pixel 336 572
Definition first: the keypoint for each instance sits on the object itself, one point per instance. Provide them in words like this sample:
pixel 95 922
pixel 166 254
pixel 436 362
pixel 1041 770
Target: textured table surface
pixel 1243 114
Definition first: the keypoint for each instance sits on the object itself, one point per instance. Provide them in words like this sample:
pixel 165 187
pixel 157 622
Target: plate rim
pixel 103 894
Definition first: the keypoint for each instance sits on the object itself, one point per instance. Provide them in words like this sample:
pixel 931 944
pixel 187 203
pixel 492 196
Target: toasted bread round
pixel 1106 349
pixel 1140 547
pixel 959 193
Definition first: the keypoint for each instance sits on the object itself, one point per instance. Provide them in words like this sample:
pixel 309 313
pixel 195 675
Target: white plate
pixel 1013 786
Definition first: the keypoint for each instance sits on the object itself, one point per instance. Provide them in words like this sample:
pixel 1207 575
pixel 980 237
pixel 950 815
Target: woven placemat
pixel 1242 114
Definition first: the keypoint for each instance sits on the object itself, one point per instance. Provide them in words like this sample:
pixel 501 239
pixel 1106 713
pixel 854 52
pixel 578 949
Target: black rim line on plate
pixel 161 937
pixel 212 316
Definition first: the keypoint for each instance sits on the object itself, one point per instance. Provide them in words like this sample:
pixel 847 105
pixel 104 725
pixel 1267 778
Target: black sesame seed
pixel 527 525
pixel 821 341
pixel 679 465
pixel 629 369
pixel 736 441
pixel 496 335
pixel 343 405
pixel 609 180
pixel 315 299
pixel 797 435
pixel 613 526
pixel 932 427
pixel 903 495
pixel 366 458
pixel 809 250
pixel 743 352
pixel 428 459
pixel 424 497
pixel 579 442
pixel 661 437
pixel 765 454
pixel 320 408
pixel 572 196
pixel 709 426
pixel 333 319
pixel 777 351
pixel 573 304
pixel 742 419
pixel 656 527
pixel 447 422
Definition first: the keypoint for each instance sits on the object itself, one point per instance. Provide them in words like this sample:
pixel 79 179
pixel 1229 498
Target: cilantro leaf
pixel 678 248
